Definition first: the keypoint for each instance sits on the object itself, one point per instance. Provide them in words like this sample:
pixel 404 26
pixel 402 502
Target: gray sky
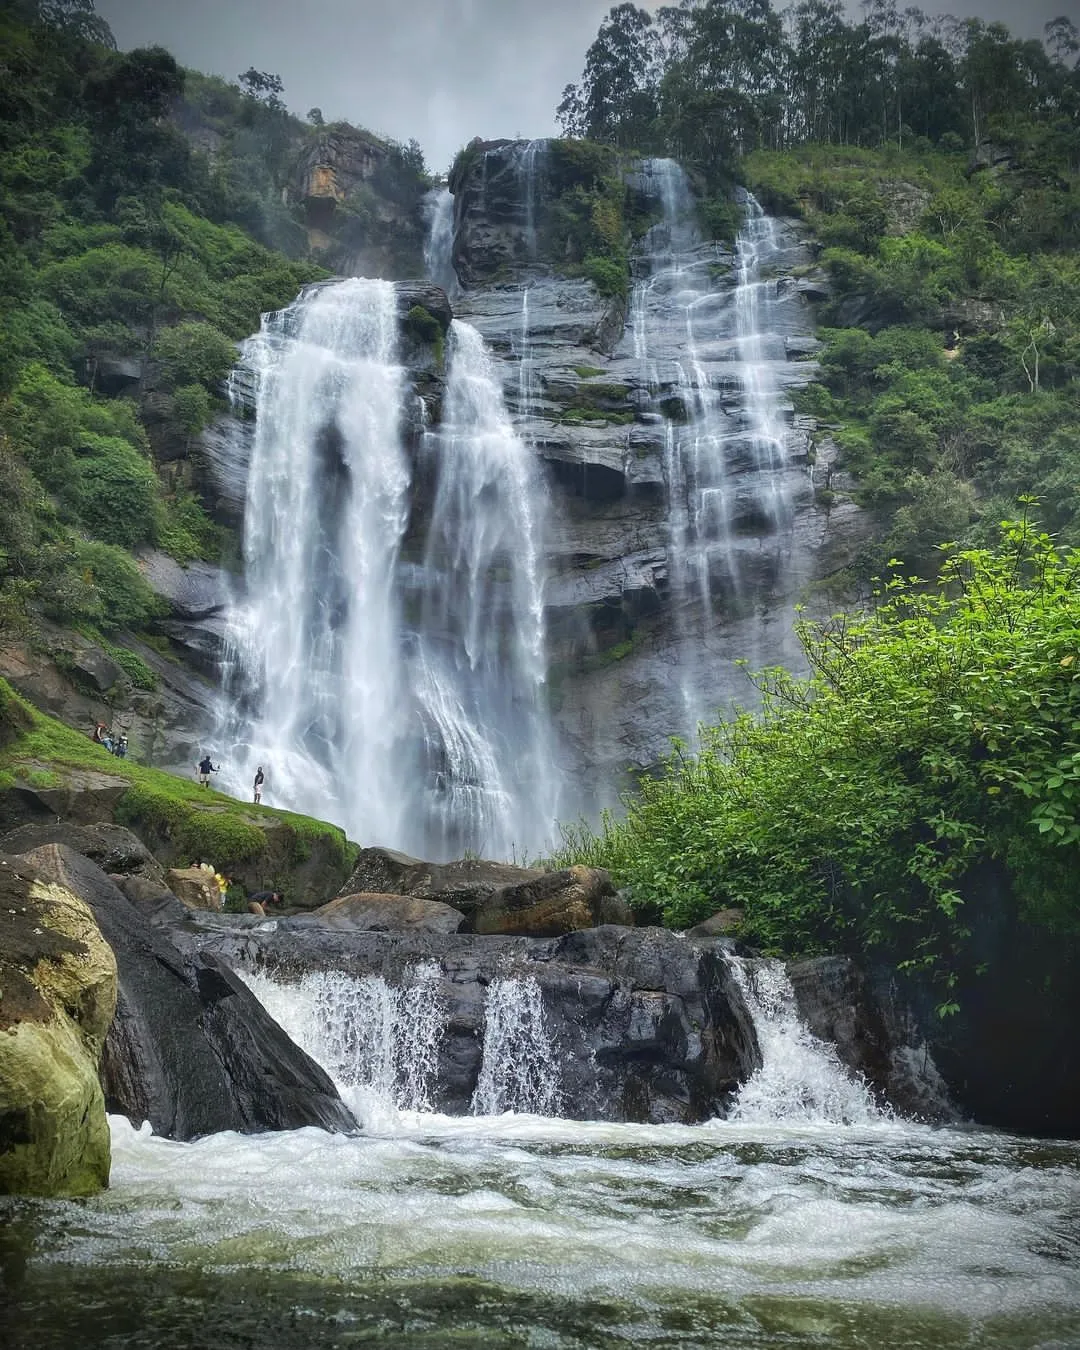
pixel 440 70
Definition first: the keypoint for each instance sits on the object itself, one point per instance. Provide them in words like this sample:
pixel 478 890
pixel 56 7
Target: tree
pixel 617 99
pixel 264 88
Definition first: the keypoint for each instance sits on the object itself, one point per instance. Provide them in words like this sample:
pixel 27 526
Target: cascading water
pixel 519 1071
pixel 480 664
pixel 318 672
pixel 401 698
pixel 439 246
pixel 365 1033
pixel 706 353
pixel 801 1079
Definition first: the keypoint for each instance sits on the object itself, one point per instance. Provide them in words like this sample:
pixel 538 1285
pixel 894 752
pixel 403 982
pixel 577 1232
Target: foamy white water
pixel 400 697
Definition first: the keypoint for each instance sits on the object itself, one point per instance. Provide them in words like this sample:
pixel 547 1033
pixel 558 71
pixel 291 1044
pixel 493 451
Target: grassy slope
pixel 181 821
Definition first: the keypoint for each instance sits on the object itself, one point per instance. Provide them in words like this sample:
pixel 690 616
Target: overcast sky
pixel 440 70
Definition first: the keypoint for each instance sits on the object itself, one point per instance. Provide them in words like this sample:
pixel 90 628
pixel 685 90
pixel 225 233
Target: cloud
pixel 440 70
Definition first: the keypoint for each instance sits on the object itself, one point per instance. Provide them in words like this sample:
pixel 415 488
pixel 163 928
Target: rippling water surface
pixel 526 1231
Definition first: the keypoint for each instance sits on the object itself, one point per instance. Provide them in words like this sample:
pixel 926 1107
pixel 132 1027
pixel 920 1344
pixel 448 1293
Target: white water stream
pixel 788 1228
pixel 710 348
pixel 391 685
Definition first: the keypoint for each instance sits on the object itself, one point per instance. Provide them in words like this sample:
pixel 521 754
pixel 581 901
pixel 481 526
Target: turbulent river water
pixel 773 1229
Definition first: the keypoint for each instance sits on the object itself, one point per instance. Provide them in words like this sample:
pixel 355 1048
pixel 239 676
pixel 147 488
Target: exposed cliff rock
pixel 600 400
pixel 58 987
pixel 361 201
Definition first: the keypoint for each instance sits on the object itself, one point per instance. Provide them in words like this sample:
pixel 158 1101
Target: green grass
pixel 185 821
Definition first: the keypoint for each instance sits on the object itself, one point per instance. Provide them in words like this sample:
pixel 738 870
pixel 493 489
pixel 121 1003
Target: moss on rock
pixel 57 999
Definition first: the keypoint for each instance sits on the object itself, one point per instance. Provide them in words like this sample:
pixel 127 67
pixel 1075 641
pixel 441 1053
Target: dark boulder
pixel 645 1026
pixel 114 849
pixel 191 1049
pixel 874 1032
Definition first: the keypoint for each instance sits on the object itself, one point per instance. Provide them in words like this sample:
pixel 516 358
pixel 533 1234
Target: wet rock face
pixel 645 1026
pixel 603 390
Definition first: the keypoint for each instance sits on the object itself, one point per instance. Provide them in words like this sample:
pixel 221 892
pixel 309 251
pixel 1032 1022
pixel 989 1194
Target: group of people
pixel 207 767
pixel 116 743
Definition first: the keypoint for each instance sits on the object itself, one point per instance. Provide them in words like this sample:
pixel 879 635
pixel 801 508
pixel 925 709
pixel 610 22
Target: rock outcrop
pixel 646 1026
pixel 58 988
pixel 190 1049
pixel 600 399
pixel 494 897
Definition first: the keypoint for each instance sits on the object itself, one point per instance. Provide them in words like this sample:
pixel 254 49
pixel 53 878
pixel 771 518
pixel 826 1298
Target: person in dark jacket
pixel 206 768
pixel 260 778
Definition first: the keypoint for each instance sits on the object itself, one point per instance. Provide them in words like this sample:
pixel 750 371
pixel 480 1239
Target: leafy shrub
pixel 935 736
pixel 192 354
pixel 122 597
pixel 113 491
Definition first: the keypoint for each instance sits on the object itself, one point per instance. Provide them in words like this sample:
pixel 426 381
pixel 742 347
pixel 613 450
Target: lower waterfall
pixel 519 1071
pixel 801 1078
pixel 365 1033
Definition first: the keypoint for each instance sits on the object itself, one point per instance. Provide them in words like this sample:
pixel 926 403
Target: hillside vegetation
pixel 144 227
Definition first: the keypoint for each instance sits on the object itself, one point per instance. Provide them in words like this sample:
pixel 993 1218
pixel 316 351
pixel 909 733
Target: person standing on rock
pixel 206 768
pixel 260 778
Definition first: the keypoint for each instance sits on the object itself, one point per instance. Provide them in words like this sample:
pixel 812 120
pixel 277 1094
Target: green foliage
pixel 118 596
pixel 608 275
pixel 187 821
pixel 936 737
pixel 113 491
pixel 193 354
pixel 133 666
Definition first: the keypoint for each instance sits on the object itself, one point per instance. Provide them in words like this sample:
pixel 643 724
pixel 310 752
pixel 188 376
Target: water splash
pixel 801 1079
pixel 519 1071
pixel 364 1032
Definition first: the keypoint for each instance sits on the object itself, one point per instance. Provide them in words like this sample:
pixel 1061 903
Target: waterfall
pixel 707 353
pixel 439 245
pixel 526 158
pixel 401 697
pixel 318 671
pixel 365 1033
pixel 480 651
pixel 519 1071
pixel 801 1079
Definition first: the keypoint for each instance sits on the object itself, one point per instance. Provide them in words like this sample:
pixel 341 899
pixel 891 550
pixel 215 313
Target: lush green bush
pixel 120 596
pixel 194 353
pixel 113 491
pixel 937 734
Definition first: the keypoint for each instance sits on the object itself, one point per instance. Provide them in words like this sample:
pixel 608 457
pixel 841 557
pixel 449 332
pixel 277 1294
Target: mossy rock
pixel 57 998
pixel 48 771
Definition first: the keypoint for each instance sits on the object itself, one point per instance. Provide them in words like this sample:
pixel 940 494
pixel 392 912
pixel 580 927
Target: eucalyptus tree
pixel 616 100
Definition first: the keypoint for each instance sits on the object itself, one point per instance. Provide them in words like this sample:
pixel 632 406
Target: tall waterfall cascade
pixel 399 694
pixel 708 337
pixel 801 1079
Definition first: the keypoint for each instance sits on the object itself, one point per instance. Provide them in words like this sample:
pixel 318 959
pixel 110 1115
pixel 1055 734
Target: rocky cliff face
pixel 624 399
pixel 689 507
